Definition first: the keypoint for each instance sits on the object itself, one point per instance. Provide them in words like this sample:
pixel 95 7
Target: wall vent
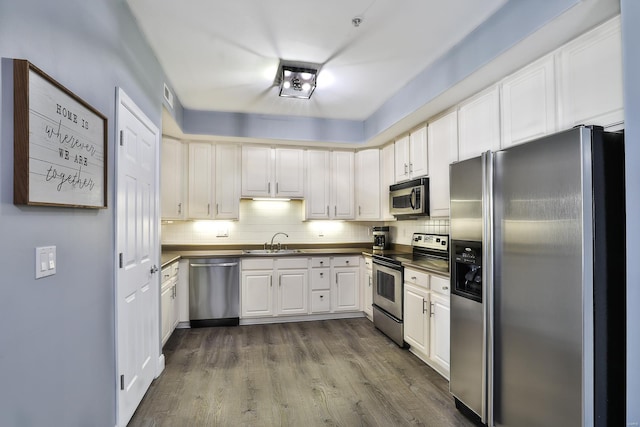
pixel 168 96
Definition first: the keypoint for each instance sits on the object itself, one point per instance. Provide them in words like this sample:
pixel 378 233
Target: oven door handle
pixel 390 265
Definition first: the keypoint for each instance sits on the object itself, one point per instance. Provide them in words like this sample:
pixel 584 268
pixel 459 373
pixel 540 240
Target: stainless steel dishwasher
pixel 214 292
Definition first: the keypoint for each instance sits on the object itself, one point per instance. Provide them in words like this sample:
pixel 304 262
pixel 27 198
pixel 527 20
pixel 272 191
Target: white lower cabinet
pixel 320 285
pixel 274 287
pixel 169 300
pixel 426 318
pixel 367 286
pixel 345 292
pixel 416 319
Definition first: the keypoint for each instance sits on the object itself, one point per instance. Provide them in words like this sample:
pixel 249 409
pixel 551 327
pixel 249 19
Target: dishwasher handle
pixel 225 264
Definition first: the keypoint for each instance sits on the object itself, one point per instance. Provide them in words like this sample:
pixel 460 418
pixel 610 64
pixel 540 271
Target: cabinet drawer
pixel 368 262
pixel 257 263
pixel 320 301
pixel 292 263
pixel 345 261
pixel 320 278
pixel 416 277
pixel 440 285
pixel 175 267
pixel 168 284
pixel 166 274
pixel 320 262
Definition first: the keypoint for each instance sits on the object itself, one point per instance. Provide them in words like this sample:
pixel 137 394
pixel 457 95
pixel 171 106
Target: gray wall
pixel 631 71
pixel 57 342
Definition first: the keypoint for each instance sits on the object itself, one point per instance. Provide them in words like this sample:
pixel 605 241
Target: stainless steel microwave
pixel 410 199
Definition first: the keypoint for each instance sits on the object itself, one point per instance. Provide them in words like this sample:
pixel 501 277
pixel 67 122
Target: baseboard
pixel 161 364
pixel 302 318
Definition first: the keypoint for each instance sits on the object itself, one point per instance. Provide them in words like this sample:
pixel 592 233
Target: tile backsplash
pixel 259 220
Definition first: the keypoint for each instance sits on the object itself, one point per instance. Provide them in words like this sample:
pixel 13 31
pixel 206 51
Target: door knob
pixel 154 269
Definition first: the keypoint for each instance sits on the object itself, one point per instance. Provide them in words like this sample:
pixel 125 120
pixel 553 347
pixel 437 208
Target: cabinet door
pixel 416 318
pixel 479 124
pixel 256 171
pixel 590 78
pixel 227 181
pixel 200 180
pixel 292 292
pixel 439 340
pixel 401 152
pixel 418 158
pixel 346 289
pixel 289 173
pixel 174 306
pixel 166 311
pixel 443 133
pixel 172 174
pixel 368 184
pixel 529 103
pixel 388 179
pixel 318 184
pixel 343 185
pixel 368 293
pixel 257 293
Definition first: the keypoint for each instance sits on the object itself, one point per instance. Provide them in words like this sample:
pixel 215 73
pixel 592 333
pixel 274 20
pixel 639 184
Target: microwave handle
pixel 412 200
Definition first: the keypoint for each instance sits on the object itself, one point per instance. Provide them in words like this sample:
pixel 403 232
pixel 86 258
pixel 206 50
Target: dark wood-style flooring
pixel 322 373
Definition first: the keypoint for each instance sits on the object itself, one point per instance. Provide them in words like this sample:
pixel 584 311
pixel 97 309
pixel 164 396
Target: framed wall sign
pixel 60 144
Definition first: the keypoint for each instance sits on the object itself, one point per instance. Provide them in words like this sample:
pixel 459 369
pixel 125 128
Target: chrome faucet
pixel 274 236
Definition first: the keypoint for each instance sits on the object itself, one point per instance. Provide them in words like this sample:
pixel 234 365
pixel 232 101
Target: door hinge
pixel 121 259
pixel 122 137
pixel 121 382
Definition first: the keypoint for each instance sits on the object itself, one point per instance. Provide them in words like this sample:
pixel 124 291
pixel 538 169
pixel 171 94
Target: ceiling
pixel 223 55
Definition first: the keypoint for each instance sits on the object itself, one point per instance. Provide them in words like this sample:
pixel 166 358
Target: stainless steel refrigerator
pixel 538 282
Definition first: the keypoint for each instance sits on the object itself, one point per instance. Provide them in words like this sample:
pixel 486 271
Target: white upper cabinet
pixel 214 181
pixel 590 83
pixel 387 178
pixel 343 185
pixel 368 184
pixel 317 191
pixel 411 155
pixel 227 184
pixel 418 160
pixel 479 124
pixel 443 134
pixel 529 103
pixel 289 172
pixel 268 172
pixel 172 179
pixel 201 180
pixel 330 185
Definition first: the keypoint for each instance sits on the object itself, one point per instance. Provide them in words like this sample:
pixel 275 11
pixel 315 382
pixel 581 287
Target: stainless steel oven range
pixel 430 251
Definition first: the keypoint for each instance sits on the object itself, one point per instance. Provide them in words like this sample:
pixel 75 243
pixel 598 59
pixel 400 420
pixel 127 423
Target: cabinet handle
pixel 335 211
pixel 271 281
pixel 217 209
pixel 347 261
pixel 359 210
pixel 277 188
pixel 410 167
pixel 405 168
pixel 269 188
pixel 321 297
pixel 208 208
pixel 280 281
pixel 179 208
pixel 444 288
pixel 321 274
pixel 414 278
pixel 336 278
pixel 424 308
pixel 431 308
pixel 327 211
pixel 369 281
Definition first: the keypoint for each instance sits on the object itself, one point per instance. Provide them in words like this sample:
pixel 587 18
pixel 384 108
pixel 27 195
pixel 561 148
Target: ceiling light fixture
pixel 297 82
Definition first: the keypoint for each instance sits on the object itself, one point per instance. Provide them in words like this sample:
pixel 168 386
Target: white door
pixel 137 280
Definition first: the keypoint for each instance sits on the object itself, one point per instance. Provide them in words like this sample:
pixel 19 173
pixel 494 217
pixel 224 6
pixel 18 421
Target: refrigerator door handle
pixel 488 286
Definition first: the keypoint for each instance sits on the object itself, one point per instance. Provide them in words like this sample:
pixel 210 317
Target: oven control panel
pixel 431 241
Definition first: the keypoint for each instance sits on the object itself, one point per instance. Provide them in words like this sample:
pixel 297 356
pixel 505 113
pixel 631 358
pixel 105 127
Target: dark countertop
pixel 173 253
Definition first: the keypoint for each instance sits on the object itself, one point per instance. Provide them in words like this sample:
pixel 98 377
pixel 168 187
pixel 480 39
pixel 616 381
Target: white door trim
pixel 124 101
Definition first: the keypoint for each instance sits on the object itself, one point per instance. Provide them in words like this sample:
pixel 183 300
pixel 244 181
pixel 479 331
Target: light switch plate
pixel 46 262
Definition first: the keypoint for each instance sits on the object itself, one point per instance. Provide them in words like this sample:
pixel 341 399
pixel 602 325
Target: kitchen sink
pixel 271 251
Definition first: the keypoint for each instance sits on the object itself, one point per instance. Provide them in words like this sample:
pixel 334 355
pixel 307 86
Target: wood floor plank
pixel 322 373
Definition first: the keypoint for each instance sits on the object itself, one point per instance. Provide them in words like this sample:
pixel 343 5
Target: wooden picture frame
pixel 60 144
